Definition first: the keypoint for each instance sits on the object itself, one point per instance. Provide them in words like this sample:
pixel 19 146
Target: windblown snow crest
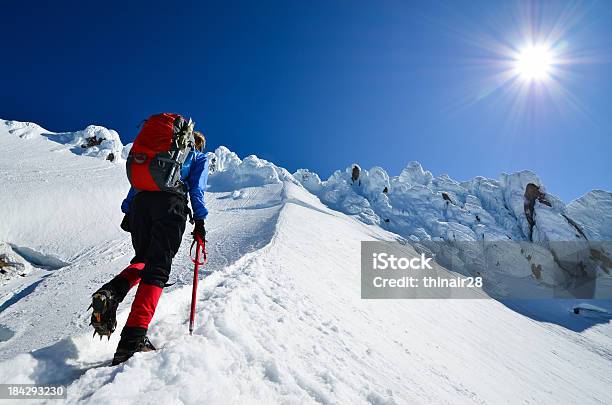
pixel 95 141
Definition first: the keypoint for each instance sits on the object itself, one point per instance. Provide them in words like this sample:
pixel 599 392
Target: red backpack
pixel 158 153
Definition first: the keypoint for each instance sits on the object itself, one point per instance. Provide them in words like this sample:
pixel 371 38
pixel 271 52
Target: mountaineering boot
pixel 134 334
pixel 130 344
pixel 104 316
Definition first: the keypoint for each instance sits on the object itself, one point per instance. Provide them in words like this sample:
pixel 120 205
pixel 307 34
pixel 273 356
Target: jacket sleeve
pixel 125 205
pixel 198 177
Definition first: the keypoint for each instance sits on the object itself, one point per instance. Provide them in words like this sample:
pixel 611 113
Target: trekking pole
pixel 200 248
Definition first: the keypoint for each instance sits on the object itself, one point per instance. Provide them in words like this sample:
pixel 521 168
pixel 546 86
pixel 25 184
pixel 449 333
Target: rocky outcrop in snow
pixel 11 263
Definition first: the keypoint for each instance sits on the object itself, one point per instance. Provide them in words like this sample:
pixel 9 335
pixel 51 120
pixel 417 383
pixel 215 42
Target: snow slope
pixel 280 319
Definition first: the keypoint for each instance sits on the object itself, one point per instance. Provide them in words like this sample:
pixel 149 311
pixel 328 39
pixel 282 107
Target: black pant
pixel 157 224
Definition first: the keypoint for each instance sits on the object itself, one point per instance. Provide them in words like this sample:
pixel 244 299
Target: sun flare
pixel 534 63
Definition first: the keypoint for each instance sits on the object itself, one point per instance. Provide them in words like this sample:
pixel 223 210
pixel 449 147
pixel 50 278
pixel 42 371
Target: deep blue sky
pixel 321 84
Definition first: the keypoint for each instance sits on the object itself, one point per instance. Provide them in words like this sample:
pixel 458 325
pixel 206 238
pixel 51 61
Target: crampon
pixel 104 315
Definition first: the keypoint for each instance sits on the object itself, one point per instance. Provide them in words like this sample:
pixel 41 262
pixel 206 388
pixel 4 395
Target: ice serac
pixel 517 207
pixel 593 211
pixel 233 173
pixel 414 174
pixel 416 203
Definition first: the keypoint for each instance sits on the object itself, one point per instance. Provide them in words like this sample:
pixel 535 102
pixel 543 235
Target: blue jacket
pixel 194 174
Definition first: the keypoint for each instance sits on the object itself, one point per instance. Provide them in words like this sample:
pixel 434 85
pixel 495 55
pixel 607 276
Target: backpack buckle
pixel 140 158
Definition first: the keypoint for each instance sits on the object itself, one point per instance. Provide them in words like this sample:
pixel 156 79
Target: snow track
pixel 70 358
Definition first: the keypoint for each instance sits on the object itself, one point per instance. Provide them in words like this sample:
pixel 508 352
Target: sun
pixel 534 63
pixel 529 61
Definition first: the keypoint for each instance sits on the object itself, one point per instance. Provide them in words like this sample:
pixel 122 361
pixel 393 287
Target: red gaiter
pixel 144 306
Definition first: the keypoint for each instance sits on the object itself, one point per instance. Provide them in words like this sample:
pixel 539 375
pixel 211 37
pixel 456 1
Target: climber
pixel 155 214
